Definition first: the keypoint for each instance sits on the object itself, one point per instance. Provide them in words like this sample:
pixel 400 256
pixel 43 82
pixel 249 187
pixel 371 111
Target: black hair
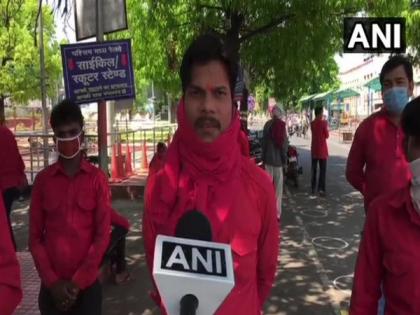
pixel 64 113
pixel 410 119
pixel 161 146
pixel 202 50
pixel 319 110
pixel 394 62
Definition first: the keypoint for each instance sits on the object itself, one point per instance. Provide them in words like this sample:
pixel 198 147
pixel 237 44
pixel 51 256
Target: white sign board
pixel 115 17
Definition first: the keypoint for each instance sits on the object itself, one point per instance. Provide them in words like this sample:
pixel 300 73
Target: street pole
pixel 43 86
pixel 154 119
pixel 102 117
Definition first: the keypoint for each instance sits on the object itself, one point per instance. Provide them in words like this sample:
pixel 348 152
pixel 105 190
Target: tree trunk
pixel 2 115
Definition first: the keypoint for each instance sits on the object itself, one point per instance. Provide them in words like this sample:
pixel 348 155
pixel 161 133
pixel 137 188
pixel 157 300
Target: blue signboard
pixel 98 71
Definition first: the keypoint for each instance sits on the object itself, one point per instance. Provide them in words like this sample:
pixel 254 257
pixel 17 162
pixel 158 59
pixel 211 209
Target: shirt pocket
pixel 244 248
pixel 86 206
pixel 52 205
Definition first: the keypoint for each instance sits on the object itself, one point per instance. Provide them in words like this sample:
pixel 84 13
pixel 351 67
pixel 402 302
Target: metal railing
pixel 32 149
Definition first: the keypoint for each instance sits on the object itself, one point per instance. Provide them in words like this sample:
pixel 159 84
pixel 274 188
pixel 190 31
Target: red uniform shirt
pixel 320 134
pixel 12 168
pixel 389 255
pixel 249 225
pixel 69 224
pixel 10 288
pixel 244 143
pixel 376 163
pixel 156 163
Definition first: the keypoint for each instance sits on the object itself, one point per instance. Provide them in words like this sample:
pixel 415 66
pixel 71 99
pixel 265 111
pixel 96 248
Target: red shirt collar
pixel 57 167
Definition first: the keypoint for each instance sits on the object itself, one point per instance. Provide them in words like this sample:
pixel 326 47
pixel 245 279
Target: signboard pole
pixel 102 120
pixel 43 87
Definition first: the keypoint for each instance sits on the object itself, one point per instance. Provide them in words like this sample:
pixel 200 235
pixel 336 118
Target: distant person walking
pixel 274 153
pixel 319 151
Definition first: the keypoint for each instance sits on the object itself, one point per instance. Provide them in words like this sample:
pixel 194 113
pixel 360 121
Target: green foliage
pixel 19 57
pixel 286 47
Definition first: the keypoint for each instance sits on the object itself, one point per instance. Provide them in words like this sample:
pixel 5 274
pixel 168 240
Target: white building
pixel 364 79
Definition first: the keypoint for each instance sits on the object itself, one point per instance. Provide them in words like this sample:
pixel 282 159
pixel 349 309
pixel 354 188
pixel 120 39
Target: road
pixel 320 239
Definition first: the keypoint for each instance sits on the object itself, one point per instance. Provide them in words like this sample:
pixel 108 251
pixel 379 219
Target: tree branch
pixel 211 7
pixel 266 28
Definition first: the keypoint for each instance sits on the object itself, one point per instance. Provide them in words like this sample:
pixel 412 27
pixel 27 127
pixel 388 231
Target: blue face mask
pixel 395 99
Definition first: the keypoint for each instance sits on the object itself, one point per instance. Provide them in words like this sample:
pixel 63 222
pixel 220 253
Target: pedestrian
pixel 10 288
pixel 206 171
pixel 115 254
pixel 69 222
pixel 319 151
pixel 376 164
pixel 274 152
pixel 388 254
pixel 12 173
pixel 158 159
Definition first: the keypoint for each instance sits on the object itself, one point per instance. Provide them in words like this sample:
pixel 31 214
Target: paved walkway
pixel 319 246
pixel 30 284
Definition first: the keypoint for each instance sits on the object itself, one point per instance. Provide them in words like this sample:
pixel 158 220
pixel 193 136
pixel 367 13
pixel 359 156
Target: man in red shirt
pixel 158 159
pixel 69 222
pixel 274 152
pixel 12 172
pixel 205 171
pixel 319 151
pixel 376 164
pixel 388 253
pixel 10 288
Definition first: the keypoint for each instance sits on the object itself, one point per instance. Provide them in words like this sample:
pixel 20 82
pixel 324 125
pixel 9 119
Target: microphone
pixel 192 273
pixel 192 225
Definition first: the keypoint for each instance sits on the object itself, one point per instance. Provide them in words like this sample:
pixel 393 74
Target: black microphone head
pixel 194 225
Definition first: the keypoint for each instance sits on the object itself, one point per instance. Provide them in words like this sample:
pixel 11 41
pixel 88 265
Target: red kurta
pixel 376 163
pixel 12 168
pixel 389 255
pixel 320 134
pixel 10 287
pixel 69 224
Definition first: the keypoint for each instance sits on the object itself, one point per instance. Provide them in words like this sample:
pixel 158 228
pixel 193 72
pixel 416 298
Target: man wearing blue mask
pixel 376 164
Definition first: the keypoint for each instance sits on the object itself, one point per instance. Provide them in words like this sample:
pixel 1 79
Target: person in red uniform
pixel 69 222
pixel 10 287
pixel 12 172
pixel 116 249
pixel 388 253
pixel 158 159
pixel 319 151
pixel 376 163
pixel 206 171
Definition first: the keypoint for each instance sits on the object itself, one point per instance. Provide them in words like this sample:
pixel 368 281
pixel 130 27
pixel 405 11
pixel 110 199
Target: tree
pixel 19 57
pixel 286 45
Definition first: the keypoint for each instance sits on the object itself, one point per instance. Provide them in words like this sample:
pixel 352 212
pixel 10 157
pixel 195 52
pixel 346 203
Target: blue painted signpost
pixel 98 71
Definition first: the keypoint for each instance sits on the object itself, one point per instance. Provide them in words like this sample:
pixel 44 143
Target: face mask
pixel 68 148
pixel 395 99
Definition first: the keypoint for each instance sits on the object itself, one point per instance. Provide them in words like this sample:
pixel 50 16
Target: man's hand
pixel 64 294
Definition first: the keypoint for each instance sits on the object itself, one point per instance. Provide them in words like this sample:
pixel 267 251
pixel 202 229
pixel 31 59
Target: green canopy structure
pixel 321 96
pixel 345 93
pixel 374 85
